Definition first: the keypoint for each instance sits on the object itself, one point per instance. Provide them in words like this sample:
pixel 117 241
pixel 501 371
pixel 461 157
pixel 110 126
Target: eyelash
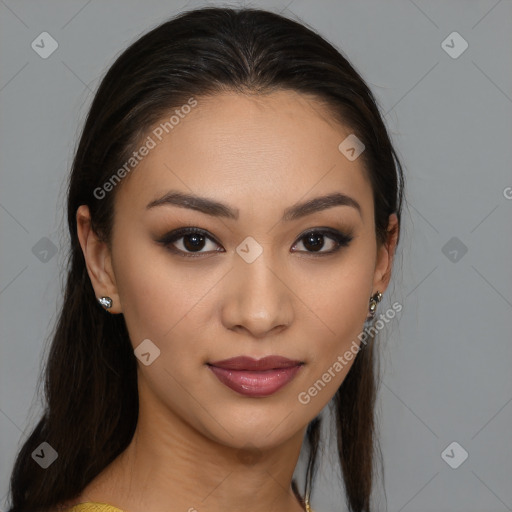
pixel 341 239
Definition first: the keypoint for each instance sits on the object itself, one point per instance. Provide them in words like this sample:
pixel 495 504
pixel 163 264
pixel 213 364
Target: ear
pixel 385 256
pixel 98 259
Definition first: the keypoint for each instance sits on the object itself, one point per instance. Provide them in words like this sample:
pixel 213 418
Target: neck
pixel 170 462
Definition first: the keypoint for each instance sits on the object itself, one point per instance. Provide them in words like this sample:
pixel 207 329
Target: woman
pixel 234 208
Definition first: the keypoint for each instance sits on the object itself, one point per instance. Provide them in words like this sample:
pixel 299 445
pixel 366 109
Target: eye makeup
pixel 196 238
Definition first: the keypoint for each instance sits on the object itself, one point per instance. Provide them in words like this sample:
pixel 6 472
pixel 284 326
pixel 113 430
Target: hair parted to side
pixel 90 376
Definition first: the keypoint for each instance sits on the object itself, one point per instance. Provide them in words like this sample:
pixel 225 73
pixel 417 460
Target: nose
pixel 259 298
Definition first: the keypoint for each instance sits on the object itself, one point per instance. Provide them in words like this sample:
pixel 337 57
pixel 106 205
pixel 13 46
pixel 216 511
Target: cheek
pixel 159 298
pixel 340 307
pixel 339 296
pixel 158 304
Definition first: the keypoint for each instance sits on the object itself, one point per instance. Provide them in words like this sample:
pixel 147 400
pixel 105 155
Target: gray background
pixel 446 358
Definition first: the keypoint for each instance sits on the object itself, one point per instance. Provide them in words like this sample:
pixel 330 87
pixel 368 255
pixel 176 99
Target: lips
pixel 255 377
pixel 248 363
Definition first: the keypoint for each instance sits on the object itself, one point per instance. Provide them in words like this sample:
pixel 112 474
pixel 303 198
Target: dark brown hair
pixel 90 376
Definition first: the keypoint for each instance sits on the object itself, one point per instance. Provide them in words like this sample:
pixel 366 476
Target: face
pixel 254 277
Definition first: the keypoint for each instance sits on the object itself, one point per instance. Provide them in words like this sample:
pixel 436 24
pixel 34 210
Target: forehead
pixel 278 147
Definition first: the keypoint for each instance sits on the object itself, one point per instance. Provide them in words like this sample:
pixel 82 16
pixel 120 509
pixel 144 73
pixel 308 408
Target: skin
pixel 260 154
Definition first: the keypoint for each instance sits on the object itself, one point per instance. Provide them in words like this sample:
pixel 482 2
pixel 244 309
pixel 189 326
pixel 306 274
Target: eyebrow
pixel 218 209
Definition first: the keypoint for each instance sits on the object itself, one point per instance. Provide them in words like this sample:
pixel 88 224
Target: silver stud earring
pixel 106 302
pixel 374 300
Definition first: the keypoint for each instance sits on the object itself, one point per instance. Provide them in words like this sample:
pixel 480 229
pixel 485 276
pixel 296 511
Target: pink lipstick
pixel 255 377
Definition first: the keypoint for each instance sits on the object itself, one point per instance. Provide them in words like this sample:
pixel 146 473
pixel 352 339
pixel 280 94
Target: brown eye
pixel 190 240
pixel 314 241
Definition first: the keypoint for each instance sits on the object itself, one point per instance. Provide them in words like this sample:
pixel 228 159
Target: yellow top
pixel 90 506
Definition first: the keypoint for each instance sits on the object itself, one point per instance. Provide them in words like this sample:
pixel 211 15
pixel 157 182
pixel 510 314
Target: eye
pixel 314 240
pixel 190 241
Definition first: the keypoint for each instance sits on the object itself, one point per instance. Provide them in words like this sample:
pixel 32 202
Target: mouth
pixel 256 377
